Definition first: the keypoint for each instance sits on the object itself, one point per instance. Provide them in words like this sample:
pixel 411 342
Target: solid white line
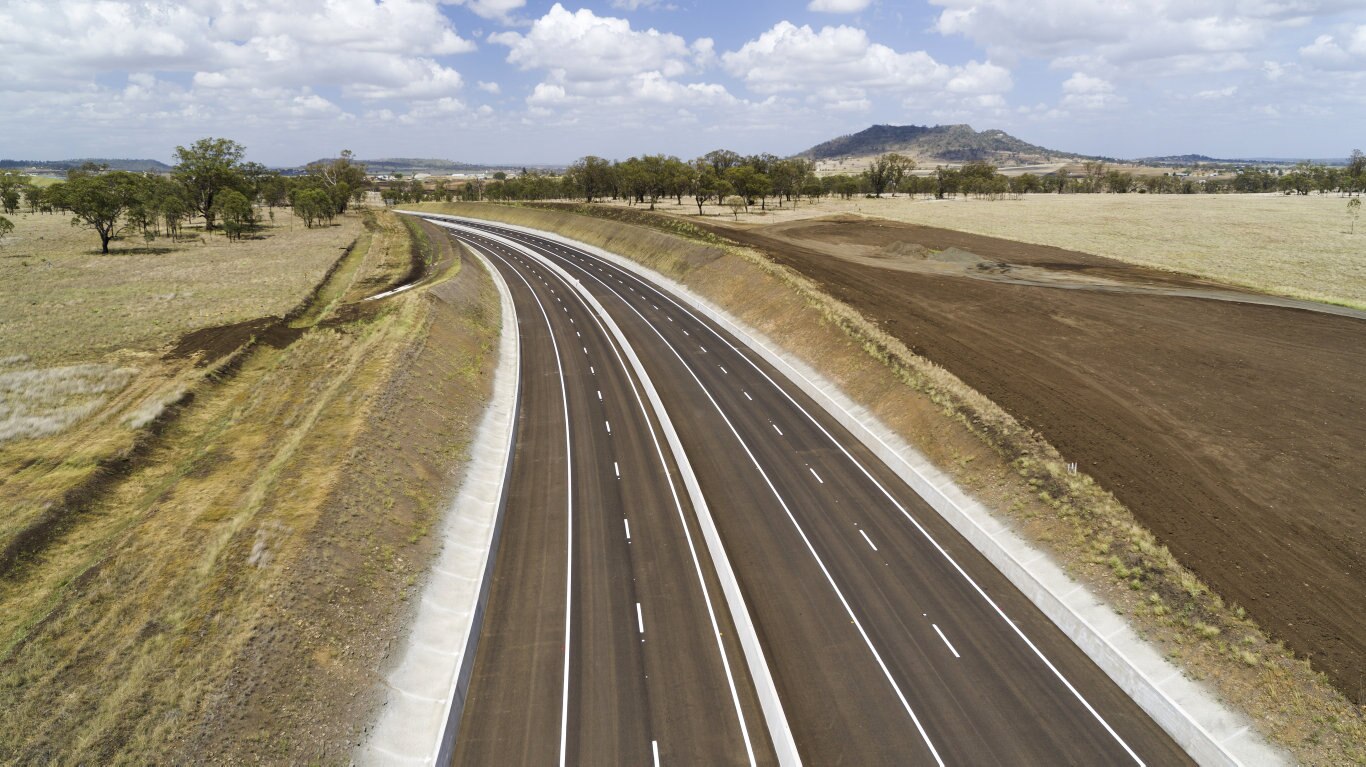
pixel 775 428
pixel 914 522
pixel 627 522
pixel 946 640
pixel 640 620
pixel 569 537
pixel 817 476
pixel 687 534
pixel 866 538
pixel 829 577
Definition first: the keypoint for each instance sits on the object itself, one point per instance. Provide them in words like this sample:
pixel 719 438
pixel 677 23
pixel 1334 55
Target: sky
pixel 527 82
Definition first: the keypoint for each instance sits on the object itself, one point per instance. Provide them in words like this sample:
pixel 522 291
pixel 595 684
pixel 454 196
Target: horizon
pixel 527 82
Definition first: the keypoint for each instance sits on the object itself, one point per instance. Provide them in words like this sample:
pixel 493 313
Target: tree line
pixel 211 181
pixel 727 178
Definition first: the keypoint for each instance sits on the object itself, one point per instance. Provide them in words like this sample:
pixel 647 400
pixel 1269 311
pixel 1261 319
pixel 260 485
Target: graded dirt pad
pixel 1232 430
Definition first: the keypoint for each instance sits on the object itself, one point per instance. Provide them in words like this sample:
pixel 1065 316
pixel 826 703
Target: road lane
pixel 987 695
pixel 625 694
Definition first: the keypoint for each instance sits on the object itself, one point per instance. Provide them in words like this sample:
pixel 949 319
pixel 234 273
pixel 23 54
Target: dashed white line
pixel 609 428
pixel 869 540
pixel 627 522
pixel 727 372
pixel 775 428
pixel 616 468
pixel 654 746
pixel 599 395
pixel 751 399
pixel 640 620
pixel 946 640
pixel 703 348
pixel 585 350
pixel 814 474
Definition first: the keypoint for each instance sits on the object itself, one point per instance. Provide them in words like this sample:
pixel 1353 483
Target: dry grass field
pixel 229 591
pixel 1292 246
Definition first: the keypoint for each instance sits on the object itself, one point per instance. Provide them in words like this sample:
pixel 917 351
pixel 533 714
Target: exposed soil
pixel 1231 426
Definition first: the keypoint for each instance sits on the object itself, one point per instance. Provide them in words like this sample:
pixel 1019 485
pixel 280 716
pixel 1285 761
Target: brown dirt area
pixel 1231 430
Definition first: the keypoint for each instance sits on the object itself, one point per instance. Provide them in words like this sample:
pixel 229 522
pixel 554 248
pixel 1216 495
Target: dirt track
pixel 1233 430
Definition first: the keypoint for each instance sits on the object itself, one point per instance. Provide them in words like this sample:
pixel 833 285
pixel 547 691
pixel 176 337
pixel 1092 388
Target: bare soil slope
pixel 1232 430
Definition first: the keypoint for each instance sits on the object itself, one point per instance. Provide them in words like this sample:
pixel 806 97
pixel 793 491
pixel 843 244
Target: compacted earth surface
pixel 1230 423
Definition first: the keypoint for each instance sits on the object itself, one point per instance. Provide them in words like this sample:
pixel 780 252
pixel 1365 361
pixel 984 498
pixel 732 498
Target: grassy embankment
pixel 1009 468
pixel 227 590
pixel 1284 245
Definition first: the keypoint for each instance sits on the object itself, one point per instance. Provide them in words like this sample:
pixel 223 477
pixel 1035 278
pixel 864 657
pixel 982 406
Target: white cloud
pixel 1177 34
pixel 495 10
pixel 585 47
pixel 1217 93
pixel 1082 91
pixel 490 87
pixel 838 6
pixel 1327 52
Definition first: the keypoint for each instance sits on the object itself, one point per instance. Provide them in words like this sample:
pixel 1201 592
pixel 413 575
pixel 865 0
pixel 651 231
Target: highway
pixel 889 639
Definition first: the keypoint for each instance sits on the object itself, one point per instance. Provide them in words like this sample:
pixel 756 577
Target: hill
pixel 136 166
pixel 939 143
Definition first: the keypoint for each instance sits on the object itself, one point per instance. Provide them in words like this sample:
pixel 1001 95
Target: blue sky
pixel 520 81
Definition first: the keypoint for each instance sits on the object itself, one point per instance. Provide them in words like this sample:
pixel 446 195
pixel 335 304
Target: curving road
pixel 607 639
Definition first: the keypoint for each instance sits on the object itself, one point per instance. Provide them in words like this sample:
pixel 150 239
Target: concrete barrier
pixel 426 691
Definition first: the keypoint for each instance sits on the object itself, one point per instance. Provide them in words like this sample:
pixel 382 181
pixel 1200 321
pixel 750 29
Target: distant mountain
pixel 1179 159
pixel 137 166
pixel 942 143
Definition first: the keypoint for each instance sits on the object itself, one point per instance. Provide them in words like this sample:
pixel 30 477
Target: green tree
pixel 749 183
pixel 886 171
pixel 341 178
pixel 205 169
pixel 6 226
pixel 590 177
pixel 99 201
pixel 235 212
pixel 313 205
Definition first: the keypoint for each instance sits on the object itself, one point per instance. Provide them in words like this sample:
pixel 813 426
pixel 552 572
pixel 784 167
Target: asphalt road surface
pixel 607 641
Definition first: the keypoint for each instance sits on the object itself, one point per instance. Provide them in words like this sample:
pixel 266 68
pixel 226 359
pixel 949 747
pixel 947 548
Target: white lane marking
pixel 640 619
pixel 946 640
pixel 656 307
pixel 869 540
pixel 810 547
pixel 775 428
pixel 571 320
pixel 609 426
pixel 577 333
pixel 654 746
pixel 703 348
pixel 616 468
pixel 916 523
pixel 569 536
pixel 627 522
pixel 686 333
pixel 751 399
pixel 591 371
pixel 687 534
pixel 599 395
pixel 817 476
pixel 585 350
pixel 723 369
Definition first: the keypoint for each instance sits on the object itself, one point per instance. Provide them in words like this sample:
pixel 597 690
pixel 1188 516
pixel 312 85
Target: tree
pixel 736 203
pixel 99 201
pixel 887 171
pixel 205 169
pixel 1354 210
pixel 235 211
pixel 6 226
pixel 706 184
pixel 749 183
pixel 313 205
pixel 591 177
pixel 340 178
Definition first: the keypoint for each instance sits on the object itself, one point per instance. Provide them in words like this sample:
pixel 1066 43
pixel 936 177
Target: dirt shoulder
pixel 233 597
